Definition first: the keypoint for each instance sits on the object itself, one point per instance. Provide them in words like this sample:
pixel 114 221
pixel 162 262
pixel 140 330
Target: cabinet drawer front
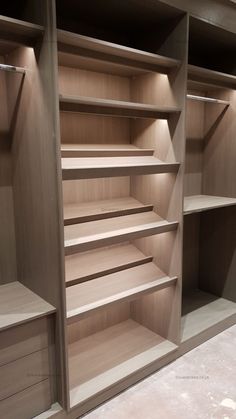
pixel 27 403
pixel 25 339
pixel 23 373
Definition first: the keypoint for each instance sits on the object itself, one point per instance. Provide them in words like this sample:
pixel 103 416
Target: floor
pixel 199 385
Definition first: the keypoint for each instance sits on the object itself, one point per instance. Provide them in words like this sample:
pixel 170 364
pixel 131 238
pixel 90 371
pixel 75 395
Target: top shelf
pixel 211 77
pixel 18 31
pixel 107 51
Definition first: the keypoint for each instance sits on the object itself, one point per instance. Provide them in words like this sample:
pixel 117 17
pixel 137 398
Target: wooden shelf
pixel 86 236
pixel 203 311
pixel 129 347
pixel 208 100
pixel 83 267
pixel 199 203
pixel 114 107
pixel 107 208
pixel 18 305
pixel 19 31
pixel 204 75
pixel 103 150
pixel 100 167
pixel 127 285
pixel 118 54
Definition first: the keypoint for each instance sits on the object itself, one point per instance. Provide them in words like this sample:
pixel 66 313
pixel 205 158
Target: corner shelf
pixel 19 31
pixel 203 311
pixel 95 210
pixel 18 305
pixel 97 167
pixel 90 372
pixel 103 150
pixel 199 203
pixel 82 267
pixel 84 299
pixel 101 50
pixel 86 104
pixel 86 236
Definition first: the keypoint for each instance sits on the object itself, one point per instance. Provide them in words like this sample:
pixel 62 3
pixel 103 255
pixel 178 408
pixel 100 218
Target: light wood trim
pixel 95 167
pixel 208 99
pixel 86 236
pixel 23 373
pixel 83 299
pixel 22 340
pixel 199 203
pixel 142 347
pixel 206 75
pixel 108 51
pixel 83 267
pixel 103 150
pixel 19 31
pixel 18 305
pixel 28 403
pixel 96 210
pixel 70 103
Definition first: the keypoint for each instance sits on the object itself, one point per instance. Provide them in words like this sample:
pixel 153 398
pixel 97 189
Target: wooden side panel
pixel 148 310
pixel 37 180
pixel 7 228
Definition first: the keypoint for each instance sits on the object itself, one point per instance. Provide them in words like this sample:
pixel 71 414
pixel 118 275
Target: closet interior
pixel 117 196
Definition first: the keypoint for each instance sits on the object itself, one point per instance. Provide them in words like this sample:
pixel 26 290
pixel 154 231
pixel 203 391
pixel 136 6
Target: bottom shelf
pixel 128 347
pixel 203 311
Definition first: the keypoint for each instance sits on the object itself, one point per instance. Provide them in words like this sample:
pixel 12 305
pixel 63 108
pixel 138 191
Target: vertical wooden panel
pixel 37 181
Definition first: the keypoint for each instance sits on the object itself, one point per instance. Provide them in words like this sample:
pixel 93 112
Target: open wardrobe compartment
pixel 117 196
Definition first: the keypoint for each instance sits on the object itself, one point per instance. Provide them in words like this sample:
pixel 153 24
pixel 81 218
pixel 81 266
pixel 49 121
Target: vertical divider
pixel 37 182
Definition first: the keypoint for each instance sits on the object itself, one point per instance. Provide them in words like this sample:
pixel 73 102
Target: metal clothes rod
pixel 208 99
pixel 12 68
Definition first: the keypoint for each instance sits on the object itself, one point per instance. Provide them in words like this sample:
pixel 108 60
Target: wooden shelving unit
pixel 121 135
pixel 111 145
pixel 209 301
